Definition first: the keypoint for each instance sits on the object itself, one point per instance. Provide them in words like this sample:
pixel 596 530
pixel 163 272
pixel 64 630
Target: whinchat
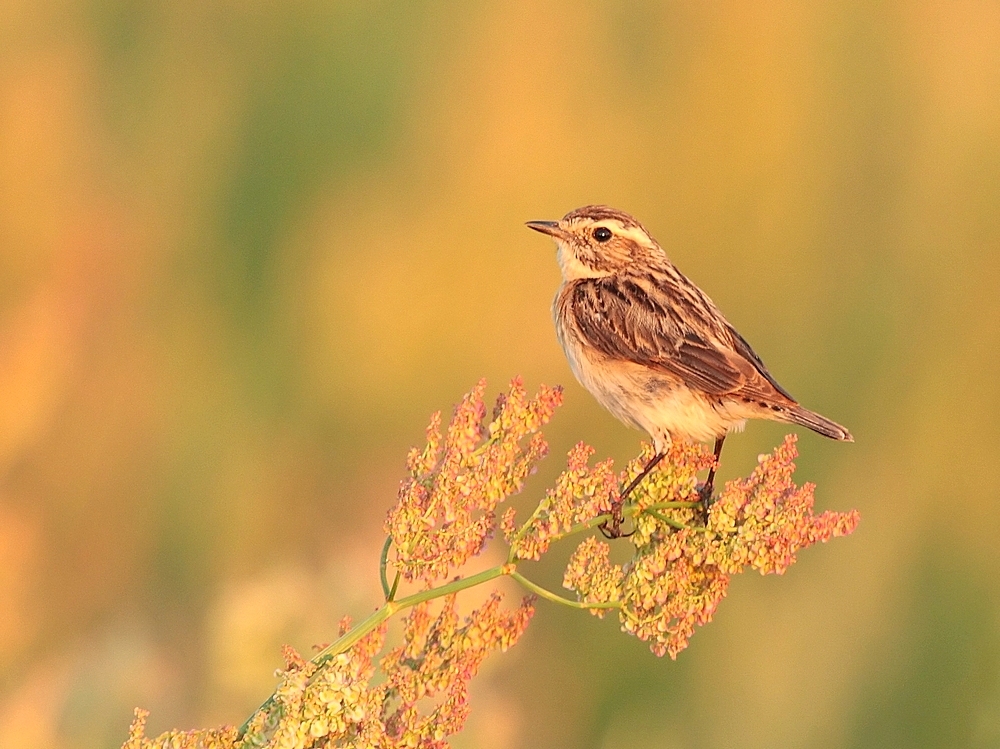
pixel 651 346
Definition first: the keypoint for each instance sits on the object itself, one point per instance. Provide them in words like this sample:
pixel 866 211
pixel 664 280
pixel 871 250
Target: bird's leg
pixel 642 474
pixel 613 527
pixel 709 486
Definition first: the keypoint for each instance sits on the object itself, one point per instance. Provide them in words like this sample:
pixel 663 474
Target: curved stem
pixel 665 520
pixel 383 561
pixel 550 596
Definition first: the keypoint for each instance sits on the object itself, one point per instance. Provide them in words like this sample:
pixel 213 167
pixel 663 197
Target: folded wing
pixel 673 331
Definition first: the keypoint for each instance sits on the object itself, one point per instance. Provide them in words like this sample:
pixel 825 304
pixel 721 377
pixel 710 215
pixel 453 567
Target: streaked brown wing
pixel 743 349
pixel 623 320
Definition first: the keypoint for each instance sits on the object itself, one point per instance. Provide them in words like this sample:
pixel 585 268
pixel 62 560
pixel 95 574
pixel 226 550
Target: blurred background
pixel 246 248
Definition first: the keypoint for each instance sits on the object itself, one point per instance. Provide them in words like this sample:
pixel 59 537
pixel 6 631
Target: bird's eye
pixel 602 234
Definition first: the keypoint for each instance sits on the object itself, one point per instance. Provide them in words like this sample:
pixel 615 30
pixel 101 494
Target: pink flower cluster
pixel 581 493
pixel 446 509
pixel 439 657
pixel 762 521
pixel 681 569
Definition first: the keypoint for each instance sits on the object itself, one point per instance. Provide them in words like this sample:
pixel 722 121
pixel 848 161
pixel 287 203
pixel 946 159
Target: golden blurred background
pixel 246 248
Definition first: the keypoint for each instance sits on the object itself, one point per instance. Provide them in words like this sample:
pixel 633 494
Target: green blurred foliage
pixel 247 248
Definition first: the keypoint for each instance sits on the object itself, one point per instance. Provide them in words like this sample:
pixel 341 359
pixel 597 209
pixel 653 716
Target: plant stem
pixel 342 644
pixel 392 607
pixel 589 525
pixel 383 561
pixel 664 519
pixel 550 596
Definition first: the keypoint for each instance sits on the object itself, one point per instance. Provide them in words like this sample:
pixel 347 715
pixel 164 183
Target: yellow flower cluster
pixel 681 568
pixel 581 493
pixel 446 509
pixel 592 575
pixel 439 656
pixel 419 699
pixel 763 520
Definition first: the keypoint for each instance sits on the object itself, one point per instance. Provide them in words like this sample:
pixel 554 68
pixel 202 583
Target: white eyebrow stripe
pixel 634 233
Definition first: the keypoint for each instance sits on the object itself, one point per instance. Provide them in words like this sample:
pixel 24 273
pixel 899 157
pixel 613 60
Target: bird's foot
pixel 612 528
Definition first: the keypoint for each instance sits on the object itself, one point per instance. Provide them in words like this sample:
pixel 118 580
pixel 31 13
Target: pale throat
pixel 572 269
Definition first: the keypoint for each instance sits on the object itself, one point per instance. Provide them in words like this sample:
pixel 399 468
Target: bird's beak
pixel 546 227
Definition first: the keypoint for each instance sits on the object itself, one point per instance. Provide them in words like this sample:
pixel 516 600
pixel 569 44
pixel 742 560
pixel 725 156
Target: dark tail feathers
pixel 819 424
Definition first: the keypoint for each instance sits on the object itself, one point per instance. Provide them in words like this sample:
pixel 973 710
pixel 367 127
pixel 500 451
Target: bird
pixel 652 347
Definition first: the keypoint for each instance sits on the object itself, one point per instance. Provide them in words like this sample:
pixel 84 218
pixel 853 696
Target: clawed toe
pixel 612 528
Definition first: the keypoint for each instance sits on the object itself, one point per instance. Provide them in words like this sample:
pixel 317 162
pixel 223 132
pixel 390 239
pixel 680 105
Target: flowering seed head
pixel 681 569
pixel 446 510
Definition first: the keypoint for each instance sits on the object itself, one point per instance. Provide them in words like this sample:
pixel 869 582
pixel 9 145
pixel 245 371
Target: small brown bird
pixel 651 346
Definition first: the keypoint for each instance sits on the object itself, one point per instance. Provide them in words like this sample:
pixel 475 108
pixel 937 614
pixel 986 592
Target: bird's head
pixel 596 241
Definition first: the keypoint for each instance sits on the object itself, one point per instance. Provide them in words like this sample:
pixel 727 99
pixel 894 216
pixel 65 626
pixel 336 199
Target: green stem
pixel 589 525
pixel 350 638
pixel 392 607
pixel 550 596
pixel 453 587
pixel 395 586
pixel 627 511
pixel 664 519
pixel 383 561
pixel 342 644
